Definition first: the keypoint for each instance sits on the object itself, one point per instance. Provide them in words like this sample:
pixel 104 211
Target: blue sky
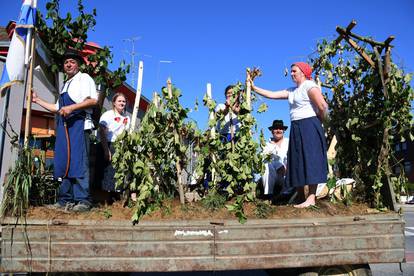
pixel 214 41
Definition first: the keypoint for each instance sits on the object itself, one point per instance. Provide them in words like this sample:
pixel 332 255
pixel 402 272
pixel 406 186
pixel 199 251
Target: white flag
pixel 13 70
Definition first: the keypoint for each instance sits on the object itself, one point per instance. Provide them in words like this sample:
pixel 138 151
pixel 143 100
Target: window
pixel 404 146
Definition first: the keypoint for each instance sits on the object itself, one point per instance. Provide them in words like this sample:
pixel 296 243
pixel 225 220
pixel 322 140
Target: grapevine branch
pixel 177 161
pixel 378 87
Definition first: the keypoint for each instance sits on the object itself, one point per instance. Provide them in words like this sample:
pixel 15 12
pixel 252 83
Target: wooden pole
pixel 169 88
pixel 29 85
pixel 387 64
pixel 388 194
pixel 248 89
pixel 137 97
pixel 348 30
pixel 177 161
pixel 211 115
pixel 212 132
pixel 155 99
pixel 179 180
pixel 381 72
pixel 357 48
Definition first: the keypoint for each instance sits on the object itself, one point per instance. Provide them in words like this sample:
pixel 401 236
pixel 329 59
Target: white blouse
pixel 114 123
pixel 301 106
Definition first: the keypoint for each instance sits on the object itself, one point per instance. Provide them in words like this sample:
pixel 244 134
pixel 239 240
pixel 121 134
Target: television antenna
pixel 132 53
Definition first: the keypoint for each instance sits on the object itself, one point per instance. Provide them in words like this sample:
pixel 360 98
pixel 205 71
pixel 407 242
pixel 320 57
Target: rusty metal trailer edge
pixel 188 245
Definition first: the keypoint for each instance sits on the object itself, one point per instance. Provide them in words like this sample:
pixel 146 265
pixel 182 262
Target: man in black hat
pixel 275 152
pixel 73 127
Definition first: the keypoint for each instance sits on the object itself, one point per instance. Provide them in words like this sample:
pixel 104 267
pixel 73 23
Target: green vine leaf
pixel 262 108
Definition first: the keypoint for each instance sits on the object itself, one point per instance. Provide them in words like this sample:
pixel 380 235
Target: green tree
pixel 60 33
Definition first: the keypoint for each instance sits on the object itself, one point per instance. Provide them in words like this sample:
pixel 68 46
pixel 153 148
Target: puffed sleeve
pixel 104 120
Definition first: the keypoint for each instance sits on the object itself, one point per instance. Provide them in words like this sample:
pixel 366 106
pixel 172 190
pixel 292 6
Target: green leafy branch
pixel 67 32
pixel 146 161
pixel 232 165
pixel 367 115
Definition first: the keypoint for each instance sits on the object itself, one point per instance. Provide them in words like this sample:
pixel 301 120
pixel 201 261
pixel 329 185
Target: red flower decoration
pixel 117 119
pixel 125 121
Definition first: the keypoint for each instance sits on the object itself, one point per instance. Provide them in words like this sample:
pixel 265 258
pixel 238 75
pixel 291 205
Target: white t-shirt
pixel 277 153
pixel 300 105
pixel 80 87
pixel 114 123
pixel 225 128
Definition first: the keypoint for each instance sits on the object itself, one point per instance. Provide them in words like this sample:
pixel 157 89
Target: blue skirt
pixel 307 160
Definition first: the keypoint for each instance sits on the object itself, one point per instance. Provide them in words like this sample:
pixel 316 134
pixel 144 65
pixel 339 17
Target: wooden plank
pixel 82 234
pixel 357 48
pixel 308 260
pixel 350 26
pixel 126 224
pixel 291 231
pixel 317 245
pixel 108 249
pixel 92 264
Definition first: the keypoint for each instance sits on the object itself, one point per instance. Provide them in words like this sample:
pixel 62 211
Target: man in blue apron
pixel 73 126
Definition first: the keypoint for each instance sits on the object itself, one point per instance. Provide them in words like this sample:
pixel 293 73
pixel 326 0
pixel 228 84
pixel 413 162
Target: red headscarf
pixel 305 68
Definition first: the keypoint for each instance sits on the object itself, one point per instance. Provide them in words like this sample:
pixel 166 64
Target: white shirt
pixel 278 153
pixel 114 123
pixel 300 104
pixel 80 87
pixel 225 128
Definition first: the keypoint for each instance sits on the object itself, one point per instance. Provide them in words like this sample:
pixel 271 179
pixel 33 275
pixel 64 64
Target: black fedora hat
pixel 71 53
pixel 277 124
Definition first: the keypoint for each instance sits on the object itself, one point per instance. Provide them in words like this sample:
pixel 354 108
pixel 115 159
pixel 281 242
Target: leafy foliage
pixel 146 161
pixel 107 213
pixel 263 209
pixel 367 113
pixel 232 165
pixel 27 184
pixel 68 32
pixel 18 184
pixel 214 201
pixel 44 188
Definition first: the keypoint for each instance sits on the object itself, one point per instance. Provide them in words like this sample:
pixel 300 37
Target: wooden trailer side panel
pixel 201 245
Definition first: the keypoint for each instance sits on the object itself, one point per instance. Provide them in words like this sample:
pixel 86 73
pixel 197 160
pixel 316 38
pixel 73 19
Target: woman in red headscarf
pixel 307 161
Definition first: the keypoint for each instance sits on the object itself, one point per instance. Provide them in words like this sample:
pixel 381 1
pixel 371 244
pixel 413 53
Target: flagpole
pixel 29 85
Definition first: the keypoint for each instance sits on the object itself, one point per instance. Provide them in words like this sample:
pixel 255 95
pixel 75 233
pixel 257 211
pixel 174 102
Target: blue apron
pixel 70 141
